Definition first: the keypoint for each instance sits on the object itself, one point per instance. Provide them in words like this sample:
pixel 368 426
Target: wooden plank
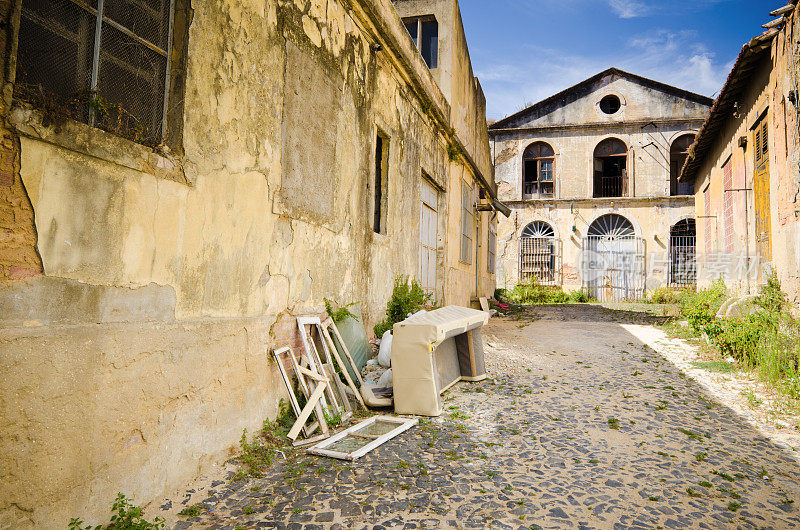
pixel 307 429
pixel 326 336
pixel 306 412
pixel 484 304
pixel 323 424
pixel 312 374
pixel 471 349
pixel 311 351
pixel 309 441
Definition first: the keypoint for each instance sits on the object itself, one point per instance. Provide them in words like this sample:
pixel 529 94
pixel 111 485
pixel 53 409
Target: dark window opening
pixel 412 26
pixel 610 104
pixel 108 67
pixel 380 184
pixel 678 153
pixel 538 174
pixel 424 31
pixel 611 169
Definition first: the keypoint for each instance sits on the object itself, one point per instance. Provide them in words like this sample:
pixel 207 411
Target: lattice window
pixel 727 206
pixel 707 219
pixel 102 62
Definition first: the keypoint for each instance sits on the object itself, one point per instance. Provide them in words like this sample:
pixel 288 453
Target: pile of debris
pixel 416 361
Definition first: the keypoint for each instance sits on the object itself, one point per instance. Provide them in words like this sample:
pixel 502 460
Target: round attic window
pixel 610 104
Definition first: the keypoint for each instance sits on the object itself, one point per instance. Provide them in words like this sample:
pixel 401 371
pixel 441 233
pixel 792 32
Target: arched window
pixel 538 162
pixel 611 168
pixel 678 153
pixel 612 226
pixel 682 253
pixel 539 254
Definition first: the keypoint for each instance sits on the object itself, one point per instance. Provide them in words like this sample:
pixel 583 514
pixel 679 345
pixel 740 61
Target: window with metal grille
pixel 105 63
pixel 467 222
pixel 491 246
pixel 539 254
pixel 727 205
pixel 682 253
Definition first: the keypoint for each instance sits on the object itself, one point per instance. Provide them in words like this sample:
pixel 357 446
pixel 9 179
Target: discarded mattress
pixel 433 351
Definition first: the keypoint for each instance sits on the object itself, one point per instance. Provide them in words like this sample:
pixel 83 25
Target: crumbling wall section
pixel 19 258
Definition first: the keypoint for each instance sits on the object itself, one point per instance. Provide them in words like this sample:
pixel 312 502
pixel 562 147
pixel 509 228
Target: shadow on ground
pixel 580 426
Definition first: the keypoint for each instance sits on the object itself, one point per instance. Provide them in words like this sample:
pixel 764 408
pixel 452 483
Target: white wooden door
pixel 428 224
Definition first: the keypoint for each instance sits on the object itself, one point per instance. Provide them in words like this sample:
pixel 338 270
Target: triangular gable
pixel 549 112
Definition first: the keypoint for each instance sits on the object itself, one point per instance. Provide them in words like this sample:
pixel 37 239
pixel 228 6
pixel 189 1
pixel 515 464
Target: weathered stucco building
pixel 591 176
pixel 179 180
pixel 744 166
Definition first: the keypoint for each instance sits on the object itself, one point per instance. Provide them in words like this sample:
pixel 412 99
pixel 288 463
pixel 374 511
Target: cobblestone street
pixel 578 426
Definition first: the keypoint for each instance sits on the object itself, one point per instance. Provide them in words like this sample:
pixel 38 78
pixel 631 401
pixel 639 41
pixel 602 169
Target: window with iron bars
pixel 105 63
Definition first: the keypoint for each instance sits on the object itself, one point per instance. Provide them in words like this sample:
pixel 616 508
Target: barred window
pixel 467 222
pixel 105 63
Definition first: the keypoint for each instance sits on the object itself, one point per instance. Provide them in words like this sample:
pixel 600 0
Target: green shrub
pixel 740 338
pixel 665 295
pixel 578 297
pixel 338 315
pixel 126 517
pixel 531 291
pixel 771 298
pixel 700 308
pixel 407 297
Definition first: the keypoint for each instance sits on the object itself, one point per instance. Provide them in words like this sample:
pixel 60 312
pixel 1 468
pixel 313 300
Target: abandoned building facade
pixel 179 181
pixel 591 175
pixel 744 168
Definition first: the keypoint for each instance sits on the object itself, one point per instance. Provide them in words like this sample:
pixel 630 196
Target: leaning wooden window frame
pixel 355 442
pixel 142 53
pixel 335 401
pixel 308 428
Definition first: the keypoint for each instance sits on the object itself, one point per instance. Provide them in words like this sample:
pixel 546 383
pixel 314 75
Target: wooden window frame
pixel 467 222
pixel 491 246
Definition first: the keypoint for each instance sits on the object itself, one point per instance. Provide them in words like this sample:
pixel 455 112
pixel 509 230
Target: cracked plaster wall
pixel 135 362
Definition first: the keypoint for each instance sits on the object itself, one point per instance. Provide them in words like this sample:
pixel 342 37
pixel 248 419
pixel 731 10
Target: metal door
pixel 428 224
pixel 612 260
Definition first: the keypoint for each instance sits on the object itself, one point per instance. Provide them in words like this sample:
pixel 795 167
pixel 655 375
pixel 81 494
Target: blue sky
pixel 526 50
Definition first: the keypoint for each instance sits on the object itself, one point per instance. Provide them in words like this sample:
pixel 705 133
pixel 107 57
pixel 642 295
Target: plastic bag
pixel 385 379
pixel 385 351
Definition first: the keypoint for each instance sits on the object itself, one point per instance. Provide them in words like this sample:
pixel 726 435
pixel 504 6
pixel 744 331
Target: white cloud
pixel 630 8
pixel 675 58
